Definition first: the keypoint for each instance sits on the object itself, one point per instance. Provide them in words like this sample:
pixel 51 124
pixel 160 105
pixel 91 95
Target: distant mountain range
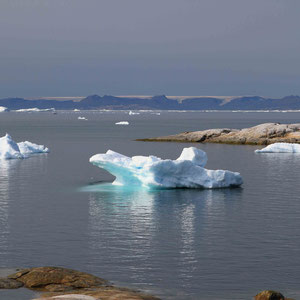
pixel 157 103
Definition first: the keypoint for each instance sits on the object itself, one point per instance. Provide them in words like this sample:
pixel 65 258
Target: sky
pixel 149 47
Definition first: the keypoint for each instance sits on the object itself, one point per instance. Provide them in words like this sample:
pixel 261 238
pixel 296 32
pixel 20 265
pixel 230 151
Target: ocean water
pixel 58 209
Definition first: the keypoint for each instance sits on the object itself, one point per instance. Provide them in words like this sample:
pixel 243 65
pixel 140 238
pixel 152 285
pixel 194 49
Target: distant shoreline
pixel 159 102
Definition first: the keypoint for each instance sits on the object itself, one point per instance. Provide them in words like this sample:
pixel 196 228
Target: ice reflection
pixel 14 177
pixel 6 168
pixel 278 166
pixel 144 233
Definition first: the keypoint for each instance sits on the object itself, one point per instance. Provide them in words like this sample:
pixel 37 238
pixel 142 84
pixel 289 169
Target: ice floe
pixel 9 149
pixel 3 109
pixel 131 113
pixel 280 148
pixel 35 109
pixel 122 123
pixel 187 171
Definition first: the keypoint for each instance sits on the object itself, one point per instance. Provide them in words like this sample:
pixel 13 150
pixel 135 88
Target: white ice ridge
pixel 131 113
pixel 35 109
pixel 280 148
pixel 122 123
pixel 9 149
pixel 187 171
pixel 3 109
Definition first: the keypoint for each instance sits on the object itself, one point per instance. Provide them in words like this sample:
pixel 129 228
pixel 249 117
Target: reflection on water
pixel 145 235
pixel 14 177
pixel 5 173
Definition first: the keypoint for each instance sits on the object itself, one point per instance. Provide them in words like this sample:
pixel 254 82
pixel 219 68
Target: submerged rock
pixel 263 134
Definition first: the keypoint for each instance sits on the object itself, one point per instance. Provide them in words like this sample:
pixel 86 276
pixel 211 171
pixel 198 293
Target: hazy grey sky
pixel 174 47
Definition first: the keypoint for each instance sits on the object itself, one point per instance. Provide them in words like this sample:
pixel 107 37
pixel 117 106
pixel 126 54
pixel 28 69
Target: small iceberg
pixel 82 118
pixel 131 113
pixel 187 171
pixel 35 109
pixel 122 123
pixel 280 148
pixel 3 109
pixel 9 149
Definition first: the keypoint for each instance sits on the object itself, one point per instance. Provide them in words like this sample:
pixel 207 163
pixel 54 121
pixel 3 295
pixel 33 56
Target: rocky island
pixel 263 134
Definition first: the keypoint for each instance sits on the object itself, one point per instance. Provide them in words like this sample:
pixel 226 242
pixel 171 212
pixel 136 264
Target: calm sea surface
pixel 177 244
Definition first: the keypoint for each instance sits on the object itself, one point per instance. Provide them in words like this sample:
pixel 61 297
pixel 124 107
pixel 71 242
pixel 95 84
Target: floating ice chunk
pixel 280 148
pixel 122 123
pixel 35 109
pixel 82 118
pixel 131 113
pixel 3 109
pixel 9 149
pixel 153 172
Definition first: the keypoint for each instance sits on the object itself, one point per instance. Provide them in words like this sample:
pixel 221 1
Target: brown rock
pixel 263 134
pixel 49 278
pixel 270 295
pixel 7 283
pixel 61 283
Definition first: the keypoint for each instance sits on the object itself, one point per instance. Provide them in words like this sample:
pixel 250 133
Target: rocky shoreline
pixel 56 283
pixel 263 134
pixel 61 283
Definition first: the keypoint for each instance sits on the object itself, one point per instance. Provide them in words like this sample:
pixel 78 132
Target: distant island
pixel 161 102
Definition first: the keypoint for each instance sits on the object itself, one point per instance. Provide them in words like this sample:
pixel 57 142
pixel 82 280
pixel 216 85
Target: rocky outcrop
pixel 56 279
pixel 270 295
pixel 7 283
pixel 62 283
pixel 263 134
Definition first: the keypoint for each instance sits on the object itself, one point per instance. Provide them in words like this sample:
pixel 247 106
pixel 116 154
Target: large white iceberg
pixel 280 148
pixel 187 171
pixel 9 149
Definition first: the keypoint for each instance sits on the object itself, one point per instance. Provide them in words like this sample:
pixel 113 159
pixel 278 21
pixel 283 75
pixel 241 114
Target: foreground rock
pixel 62 283
pixel 108 293
pixel 6 283
pixel 263 134
pixel 56 279
pixel 270 295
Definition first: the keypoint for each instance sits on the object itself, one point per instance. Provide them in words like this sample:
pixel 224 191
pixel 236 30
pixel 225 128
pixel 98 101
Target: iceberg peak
pixel 153 172
pixel 195 155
